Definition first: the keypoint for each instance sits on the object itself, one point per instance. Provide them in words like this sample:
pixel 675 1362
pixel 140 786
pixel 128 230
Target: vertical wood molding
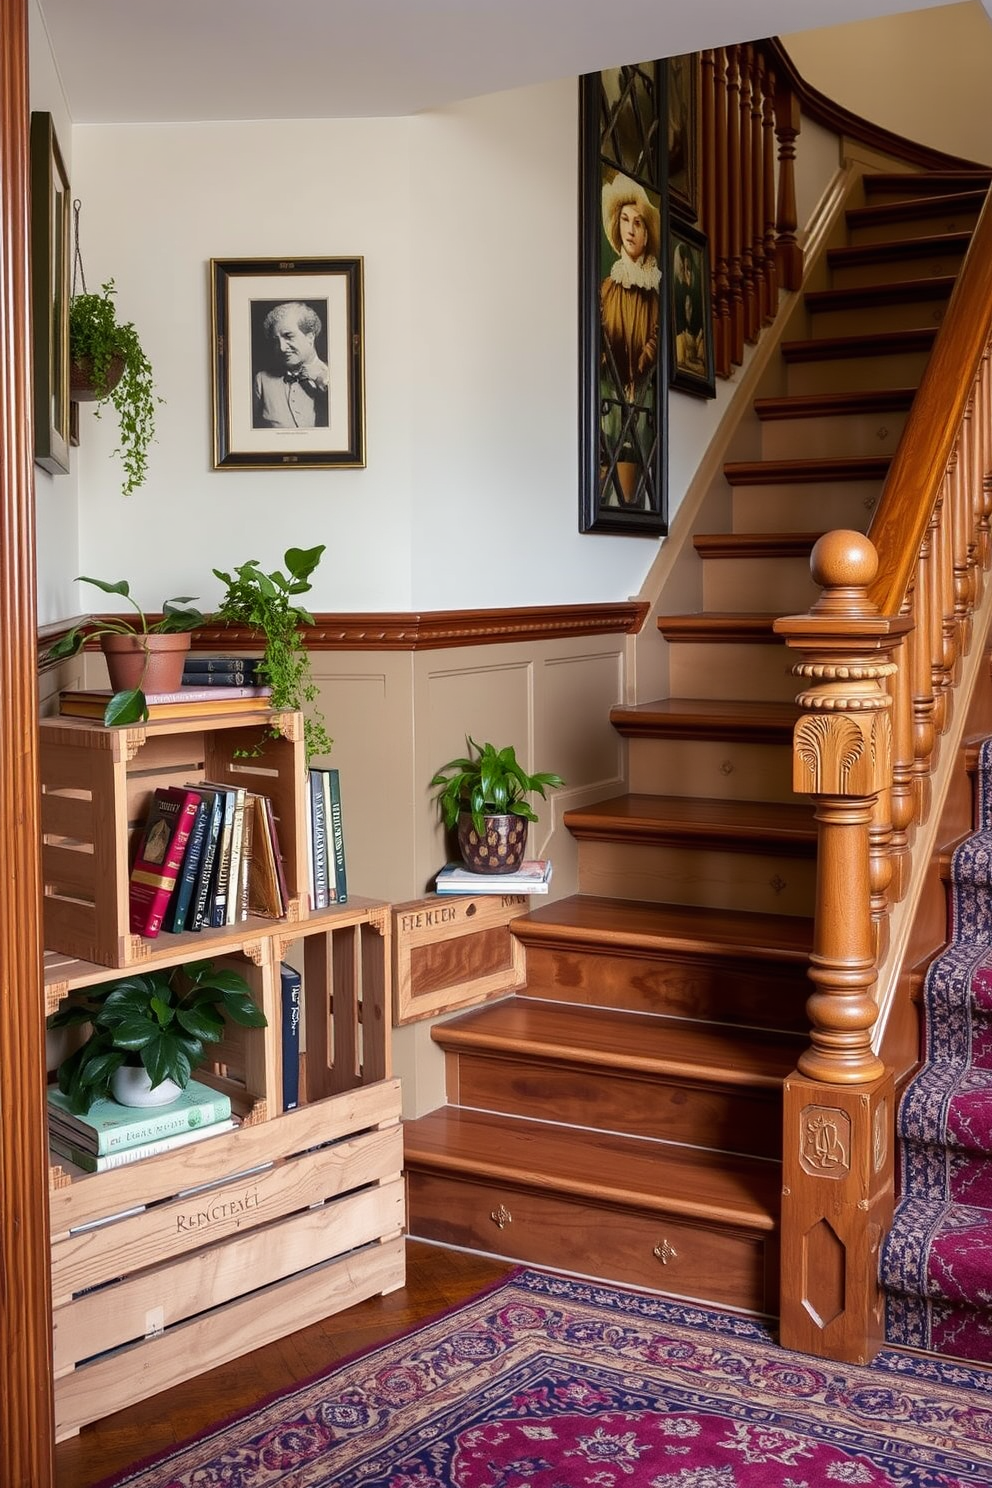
pixel 26 1442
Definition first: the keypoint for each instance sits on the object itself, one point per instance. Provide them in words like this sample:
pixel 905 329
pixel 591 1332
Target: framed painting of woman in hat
pixel 623 329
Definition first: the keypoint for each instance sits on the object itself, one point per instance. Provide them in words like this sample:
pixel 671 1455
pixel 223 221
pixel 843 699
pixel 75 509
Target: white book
pixel 532 877
pixel 93 1164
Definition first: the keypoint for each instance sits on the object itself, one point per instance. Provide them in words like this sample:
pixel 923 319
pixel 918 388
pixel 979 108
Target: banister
pixel 898 527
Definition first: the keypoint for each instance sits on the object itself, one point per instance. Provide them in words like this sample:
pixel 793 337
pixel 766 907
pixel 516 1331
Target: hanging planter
pixel 83 385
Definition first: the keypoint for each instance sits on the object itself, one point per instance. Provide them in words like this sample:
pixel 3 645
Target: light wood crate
pixel 454 950
pixel 232 1242
pixel 96 787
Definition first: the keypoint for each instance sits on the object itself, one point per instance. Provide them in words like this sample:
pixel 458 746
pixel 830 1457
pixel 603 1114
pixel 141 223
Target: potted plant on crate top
pixel 156 1026
pixel 484 796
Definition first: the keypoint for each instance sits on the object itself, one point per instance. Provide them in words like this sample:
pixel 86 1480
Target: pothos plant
pixel 96 339
pixel 267 603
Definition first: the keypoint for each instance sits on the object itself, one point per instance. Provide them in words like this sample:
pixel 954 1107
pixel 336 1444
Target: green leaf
pixel 241 1007
pixel 126 707
pixel 202 1022
pixel 301 562
pixel 121 587
pixel 66 645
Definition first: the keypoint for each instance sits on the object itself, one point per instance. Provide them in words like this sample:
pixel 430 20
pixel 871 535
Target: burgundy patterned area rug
pixel 936 1264
pixel 550 1382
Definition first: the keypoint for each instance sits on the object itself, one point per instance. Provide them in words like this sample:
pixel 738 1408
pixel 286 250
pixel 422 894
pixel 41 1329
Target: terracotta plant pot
pixel 81 388
pixel 152 662
pixel 501 847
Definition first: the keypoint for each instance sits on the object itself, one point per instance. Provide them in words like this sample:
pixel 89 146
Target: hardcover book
pixel 291 990
pixel 92 1163
pixel 159 857
pixel 337 837
pixel 233 911
pixel 318 837
pixel 532 877
pixel 200 665
pixel 110 1127
pixel 217 913
pixel 199 915
pixel 188 702
pixel 179 906
pixel 263 880
pixel 231 678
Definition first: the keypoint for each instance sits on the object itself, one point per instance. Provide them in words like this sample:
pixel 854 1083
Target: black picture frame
pixel 690 317
pixel 50 215
pixel 684 81
pixel 623 337
pixel 263 420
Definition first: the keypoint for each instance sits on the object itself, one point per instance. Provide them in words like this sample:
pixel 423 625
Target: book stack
pixel 111 1135
pixel 200 670
pixel 208 856
pixel 188 702
pixel 325 842
pixel 532 877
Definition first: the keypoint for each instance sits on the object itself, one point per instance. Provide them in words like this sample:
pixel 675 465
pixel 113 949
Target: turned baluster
pixel 922 684
pixel 748 288
pixel 964 587
pixel 735 267
pixel 941 700
pixel 902 796
pixel 721 241
pixel 789 254
pixel 758 166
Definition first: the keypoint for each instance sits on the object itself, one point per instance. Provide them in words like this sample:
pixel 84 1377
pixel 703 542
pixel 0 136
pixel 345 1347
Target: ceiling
pixel 145 61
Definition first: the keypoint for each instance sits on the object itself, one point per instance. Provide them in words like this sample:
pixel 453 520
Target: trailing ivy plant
pixel 96 337
pixel 266 602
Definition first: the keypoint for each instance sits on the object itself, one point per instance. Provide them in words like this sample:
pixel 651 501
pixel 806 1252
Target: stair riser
pixel 758 883
pixel 714 769
pixel 763 997
pixel 723 1266
pixel 820 438
pixel 909 316
pixel 856 374
pixel 810 508
pixel 732 670
pixel 912 228
pixel 661 1107
pixel 745 583
pixel 897 270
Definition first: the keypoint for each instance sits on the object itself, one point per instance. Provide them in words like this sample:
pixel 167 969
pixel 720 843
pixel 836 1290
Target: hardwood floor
pixel 436 1279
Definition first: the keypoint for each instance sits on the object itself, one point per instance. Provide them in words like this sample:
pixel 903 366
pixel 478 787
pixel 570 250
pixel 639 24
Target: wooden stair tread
pixel 645 1043
pixel 968 200
pixel 880 183
pixel 739 824
pixel 788 472
pixel 754 544
pixel 714 626
pixel 870 344
pixel 606 1168
pixel 706 718
pixel 634 927
pixel 860 254
pixel 864 296
pixel 835 405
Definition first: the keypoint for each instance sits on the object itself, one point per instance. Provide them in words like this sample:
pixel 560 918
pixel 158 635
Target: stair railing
pixel 882 652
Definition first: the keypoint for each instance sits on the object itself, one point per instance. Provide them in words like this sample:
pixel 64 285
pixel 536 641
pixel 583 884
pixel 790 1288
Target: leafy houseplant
pixel 474 792
pixel 128 704
pixel 162 1020
pixel 107 356
pixel 265 602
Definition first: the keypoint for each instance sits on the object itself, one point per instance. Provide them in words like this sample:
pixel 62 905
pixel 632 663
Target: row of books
pixel 208 855
pixel 186 702
pixel 111 1135
pixel 200 670
pixel 325 840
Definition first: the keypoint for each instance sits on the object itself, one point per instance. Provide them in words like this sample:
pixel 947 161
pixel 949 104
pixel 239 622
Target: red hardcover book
pixel 160 856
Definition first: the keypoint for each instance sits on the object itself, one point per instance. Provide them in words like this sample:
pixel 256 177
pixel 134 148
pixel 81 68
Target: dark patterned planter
pixel 499 850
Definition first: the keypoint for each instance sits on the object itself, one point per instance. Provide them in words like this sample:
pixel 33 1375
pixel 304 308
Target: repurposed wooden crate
pixel 96 786
pixel 453 950
pixel 170 1266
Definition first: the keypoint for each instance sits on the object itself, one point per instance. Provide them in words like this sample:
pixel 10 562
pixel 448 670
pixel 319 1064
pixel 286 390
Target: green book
pixel 109 1126
pixel 123 1155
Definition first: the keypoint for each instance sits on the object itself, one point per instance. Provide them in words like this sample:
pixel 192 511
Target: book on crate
pixel 291 992
pixel 220 671
pixel 180 904
pixel 187 702
pixel 91 1162
pixel 110 1127
pixel 159 856
pixel 532 877
pixel 336 833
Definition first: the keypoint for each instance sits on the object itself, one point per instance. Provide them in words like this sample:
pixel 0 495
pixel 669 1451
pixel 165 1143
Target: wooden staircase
pixel 621 1117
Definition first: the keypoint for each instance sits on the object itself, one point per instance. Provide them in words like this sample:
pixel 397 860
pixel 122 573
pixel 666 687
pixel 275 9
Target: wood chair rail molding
pixel 428 631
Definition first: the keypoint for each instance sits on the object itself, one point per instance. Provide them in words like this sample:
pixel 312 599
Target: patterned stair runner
pixel 936 1264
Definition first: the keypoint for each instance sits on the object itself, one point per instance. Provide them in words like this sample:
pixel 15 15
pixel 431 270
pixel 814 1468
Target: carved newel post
pixel 837 1165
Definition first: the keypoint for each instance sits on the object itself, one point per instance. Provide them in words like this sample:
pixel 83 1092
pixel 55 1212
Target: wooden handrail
pixel 905 507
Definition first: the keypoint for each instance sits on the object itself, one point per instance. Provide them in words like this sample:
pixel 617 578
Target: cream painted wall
pixel 924 74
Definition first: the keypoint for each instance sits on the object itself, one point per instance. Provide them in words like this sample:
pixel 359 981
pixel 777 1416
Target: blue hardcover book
pixel 182 898
pixel 222 863
pixel 200 915
pixel 291 989
pixel 318 830
pixel 337 837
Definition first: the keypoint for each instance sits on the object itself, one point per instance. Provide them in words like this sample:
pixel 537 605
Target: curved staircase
pixel 621 1117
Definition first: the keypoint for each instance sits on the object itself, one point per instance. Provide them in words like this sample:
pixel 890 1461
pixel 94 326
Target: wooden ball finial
pixel 843 560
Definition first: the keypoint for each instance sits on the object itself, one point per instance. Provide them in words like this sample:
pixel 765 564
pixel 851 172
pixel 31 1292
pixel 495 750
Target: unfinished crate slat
pixel 454 950
pixel 129 1375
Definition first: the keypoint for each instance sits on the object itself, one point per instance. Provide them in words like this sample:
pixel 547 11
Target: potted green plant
pixel 141 656
pixel 484 795
pixel 162 1020
pixel 108 364
pixel 267 604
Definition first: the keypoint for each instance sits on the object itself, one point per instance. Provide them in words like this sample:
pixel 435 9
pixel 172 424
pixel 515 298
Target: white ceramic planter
pixel 130 1086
